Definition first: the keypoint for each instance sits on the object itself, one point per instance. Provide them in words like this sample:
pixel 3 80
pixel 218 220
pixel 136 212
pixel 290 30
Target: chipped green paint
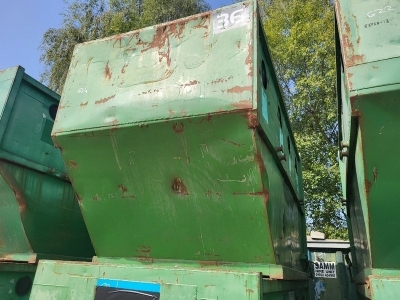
pixel 368 88
pixel 39 214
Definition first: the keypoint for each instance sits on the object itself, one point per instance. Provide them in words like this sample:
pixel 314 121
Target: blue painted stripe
pixel 130 285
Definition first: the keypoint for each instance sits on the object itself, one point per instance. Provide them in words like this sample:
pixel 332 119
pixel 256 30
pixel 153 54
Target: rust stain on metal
pixel 220 80
pixel 161 40
pixel 179 187
pixel 143 125
pixel 96 197
pixel 249 60
pixel 368 186
pixel 73 164
pixel 207 119
pixel 167 74
pixel 349 81
pixel 78 197
pixel 178 127
pixel 233 143
pixel 261 168
pixel 348 45
pixel 243 104
pixel 145 259
pixel 118 38
pixel 240 89
pixel 60 107
pixel 122 188
pixel 193 82
pixel 56 145
pixel 107 72
pixel 357 59
pixel 355 112
pixel 207 263
pixel 252 119
pixel 103 100
pixel 204 23
pixel 211 254
pixel 144 250
pixel 183 112
pixel 375 173
pixel 59 130
pixel 114 124
pixel 84 104
pixel 238 44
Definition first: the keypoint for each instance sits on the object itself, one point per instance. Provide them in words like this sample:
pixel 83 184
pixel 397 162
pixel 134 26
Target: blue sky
pixel 22 24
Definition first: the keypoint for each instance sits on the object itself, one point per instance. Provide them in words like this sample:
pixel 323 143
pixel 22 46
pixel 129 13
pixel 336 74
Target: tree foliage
pixel 86 20
pixel 301 38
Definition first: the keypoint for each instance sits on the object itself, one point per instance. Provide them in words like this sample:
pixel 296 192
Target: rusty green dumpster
pixel 39 214
pixel 178 144
pixel 368 61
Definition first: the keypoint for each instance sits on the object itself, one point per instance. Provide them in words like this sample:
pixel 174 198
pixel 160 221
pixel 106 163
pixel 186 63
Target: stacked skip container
pixel 368 39
pixel 39 214
pixel 179 148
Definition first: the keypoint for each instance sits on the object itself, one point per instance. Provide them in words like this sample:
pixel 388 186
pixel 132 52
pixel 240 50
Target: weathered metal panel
pixel 368 94
pixel 378 283
pixel 366 27
pixel 39 214
pixel 47 211
pixel 75 281
pixel 189 163
pixel 27 104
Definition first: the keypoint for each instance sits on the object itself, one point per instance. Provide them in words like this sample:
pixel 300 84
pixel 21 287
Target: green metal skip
pixel 368 62
pixel 39 214
pixel 178 144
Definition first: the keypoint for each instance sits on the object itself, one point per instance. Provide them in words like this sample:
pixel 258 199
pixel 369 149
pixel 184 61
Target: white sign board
pixel 230 18
pixel 324 269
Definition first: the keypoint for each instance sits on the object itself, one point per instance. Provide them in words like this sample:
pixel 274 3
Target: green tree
pixel 159 11
pixel 301 38
pixel 82 21
pixel 86 20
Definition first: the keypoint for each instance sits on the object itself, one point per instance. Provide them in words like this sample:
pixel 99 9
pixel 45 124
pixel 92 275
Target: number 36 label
pixel 230 18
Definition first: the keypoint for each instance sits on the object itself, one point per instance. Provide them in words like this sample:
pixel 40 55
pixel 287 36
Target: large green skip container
pixel 368 43
pixel 179 148
pixel 39 214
